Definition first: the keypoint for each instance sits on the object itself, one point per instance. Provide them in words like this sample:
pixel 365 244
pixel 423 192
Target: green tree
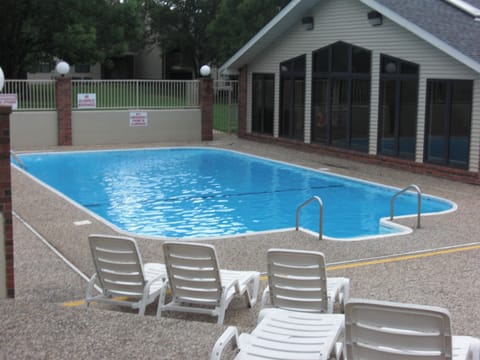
pixel 237 21
pixel 77 31
pixel 181 26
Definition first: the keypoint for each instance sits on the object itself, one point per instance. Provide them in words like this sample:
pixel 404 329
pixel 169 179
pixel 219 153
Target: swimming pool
pixel 206 192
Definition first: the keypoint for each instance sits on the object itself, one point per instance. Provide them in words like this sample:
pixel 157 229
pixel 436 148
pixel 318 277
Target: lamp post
pixel 62 68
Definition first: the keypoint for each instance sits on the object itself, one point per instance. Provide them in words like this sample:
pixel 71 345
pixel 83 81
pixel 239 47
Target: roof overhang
pixel 284 20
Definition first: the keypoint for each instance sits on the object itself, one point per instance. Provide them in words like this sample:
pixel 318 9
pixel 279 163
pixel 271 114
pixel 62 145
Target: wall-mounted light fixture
pixel 62 68
pixel 307 22
pixel 375 18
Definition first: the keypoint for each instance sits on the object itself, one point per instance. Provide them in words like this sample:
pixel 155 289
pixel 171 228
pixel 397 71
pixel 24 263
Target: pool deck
pixel 437 264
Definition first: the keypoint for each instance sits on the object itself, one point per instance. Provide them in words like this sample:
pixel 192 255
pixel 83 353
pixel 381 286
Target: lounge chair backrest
pixel 118 265
pixel 193 272
pixel 379 330
pixel 297 280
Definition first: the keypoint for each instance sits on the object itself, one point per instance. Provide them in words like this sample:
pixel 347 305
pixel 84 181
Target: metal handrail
pixel 419 202
pixel 297 215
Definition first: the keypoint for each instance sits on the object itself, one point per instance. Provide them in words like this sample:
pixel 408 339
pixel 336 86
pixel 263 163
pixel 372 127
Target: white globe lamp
pixel 62 68
pixel 2 79
pixel 205 70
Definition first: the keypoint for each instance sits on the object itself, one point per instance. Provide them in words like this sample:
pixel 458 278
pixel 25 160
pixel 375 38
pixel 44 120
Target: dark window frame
pixel 330 77
pixel 447 161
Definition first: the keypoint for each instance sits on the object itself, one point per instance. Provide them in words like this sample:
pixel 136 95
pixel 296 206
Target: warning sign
pixel 87 101
pixel 138 118
pixel 9 100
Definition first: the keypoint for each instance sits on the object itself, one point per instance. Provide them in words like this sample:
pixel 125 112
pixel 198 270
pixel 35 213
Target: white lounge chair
pixel 283 334
pixel 120 274
pixel 297 281
pixel 380 330
pixel 197 283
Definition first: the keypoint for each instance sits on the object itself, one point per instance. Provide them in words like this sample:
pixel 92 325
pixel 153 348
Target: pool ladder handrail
pixel 419 201
pixel 17 159
pixel 300 207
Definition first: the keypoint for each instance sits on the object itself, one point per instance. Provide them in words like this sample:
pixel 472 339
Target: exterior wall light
pixel 375 18
pixel 205 71
pixel 307 22
pixel 62 68
pixel 2 79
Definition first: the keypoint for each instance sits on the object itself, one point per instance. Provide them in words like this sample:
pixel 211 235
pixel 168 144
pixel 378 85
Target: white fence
pixel 138 94
pixel 34 95
pixel 29 94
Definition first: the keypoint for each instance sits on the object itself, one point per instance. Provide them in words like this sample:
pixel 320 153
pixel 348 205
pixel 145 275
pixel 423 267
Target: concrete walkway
pixel 435 265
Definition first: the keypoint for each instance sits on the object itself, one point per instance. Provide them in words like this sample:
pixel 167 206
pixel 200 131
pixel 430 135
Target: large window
pixel 262 107
pixel 398 107
pixel 341 96
pixel 448 122
pixel 292 98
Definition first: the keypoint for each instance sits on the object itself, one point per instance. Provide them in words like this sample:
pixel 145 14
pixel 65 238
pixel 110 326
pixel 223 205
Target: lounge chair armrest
pixel 230 333
pixel 265 297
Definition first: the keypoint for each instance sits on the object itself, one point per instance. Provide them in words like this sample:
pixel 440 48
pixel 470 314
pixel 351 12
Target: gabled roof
pixel 437 22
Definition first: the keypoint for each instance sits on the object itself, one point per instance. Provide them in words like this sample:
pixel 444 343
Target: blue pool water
pixel 198 192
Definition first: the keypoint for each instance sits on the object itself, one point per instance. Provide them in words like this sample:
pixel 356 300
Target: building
pixel 395 82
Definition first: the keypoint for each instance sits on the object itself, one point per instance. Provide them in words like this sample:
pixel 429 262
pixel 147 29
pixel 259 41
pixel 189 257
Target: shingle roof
pixel 444 21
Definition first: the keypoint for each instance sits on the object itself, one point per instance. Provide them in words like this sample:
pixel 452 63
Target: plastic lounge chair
pixel 392 331
pixel 297 281
pixel 197 283
pixel 122 278
pixel 284 334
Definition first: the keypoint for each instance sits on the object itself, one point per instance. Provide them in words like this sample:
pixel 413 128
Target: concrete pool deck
pixel 435 265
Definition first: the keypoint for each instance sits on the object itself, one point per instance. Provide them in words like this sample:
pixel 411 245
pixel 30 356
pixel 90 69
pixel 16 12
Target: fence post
pixel 206 107
pixel 63 98
pixel 242 101
pixel 6 269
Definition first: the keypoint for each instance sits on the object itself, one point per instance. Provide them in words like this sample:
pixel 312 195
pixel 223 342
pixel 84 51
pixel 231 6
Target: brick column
pixel 63 95
pixel 6 196
pixel 206 107
pixel 242 101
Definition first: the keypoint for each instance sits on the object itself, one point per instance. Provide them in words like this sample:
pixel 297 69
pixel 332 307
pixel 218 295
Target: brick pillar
pixel 242 101
pixel 63 95
pixel 6 197
pixel 206 106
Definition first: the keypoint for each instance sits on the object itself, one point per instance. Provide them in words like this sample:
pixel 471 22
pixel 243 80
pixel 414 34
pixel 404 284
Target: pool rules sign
pixel 138 118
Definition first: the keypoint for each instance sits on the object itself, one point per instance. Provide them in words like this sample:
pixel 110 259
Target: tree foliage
pixel 208 31
pixel 77 31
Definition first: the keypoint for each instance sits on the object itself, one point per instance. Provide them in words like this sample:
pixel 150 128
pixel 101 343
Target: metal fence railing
pixel 103 94
pixel 29 94
pixel 225 110
pixel 139 94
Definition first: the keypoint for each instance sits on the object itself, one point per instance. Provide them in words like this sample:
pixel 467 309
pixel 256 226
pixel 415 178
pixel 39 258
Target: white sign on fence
pixel 138 118
pixel 86 101
pixel 9 100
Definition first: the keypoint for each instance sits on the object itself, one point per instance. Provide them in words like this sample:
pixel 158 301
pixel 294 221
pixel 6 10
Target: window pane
pixel 460 123
pixel 262 107
pixel 299 65
pixel 437 101
pixel 269 105
pixel 407 118
pixel 408 68
pixel 320 60
pixel 360 114
pixel 319 110
pixel 387 117
pixel 389 65
pixel 340 112
pixel 360 60
pixel 286 106
pixel 299 108
pixel 340 60
pixel 258 105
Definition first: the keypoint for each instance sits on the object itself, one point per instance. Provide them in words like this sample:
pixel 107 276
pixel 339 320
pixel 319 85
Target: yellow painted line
pixel 81 302
pixel 402 258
